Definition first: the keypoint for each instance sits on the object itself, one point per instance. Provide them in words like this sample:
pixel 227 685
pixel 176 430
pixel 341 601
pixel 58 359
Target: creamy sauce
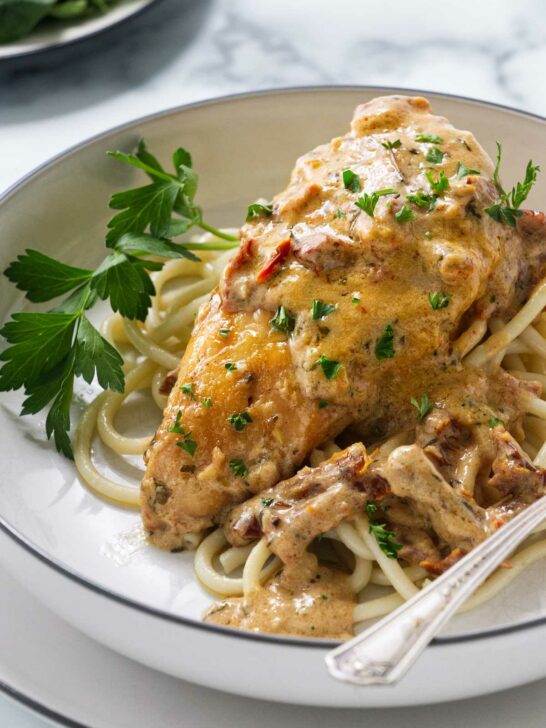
pixel 392 266
pixel 312 601
pixel 362 334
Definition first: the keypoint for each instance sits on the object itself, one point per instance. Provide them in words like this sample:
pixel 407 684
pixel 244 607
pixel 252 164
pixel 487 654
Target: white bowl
pixel 64 544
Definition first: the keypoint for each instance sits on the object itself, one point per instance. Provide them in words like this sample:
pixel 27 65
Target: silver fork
pixel 384 653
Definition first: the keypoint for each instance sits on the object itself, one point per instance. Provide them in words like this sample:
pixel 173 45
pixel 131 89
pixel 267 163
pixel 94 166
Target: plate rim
pixel 61 45
pixel 38 708
pixel 70 573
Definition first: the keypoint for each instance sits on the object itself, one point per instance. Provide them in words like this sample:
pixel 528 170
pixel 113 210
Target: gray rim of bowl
pixel 66 571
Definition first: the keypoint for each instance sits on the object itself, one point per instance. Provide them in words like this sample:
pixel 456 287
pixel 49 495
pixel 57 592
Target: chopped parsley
pixel 384 348
pixel 351 181
pixel 392 145
pixel 283 320
pixel 324 597
pixel 330 367
pixel 239 420
pixel 356 298
pixel 441 184
pixel 435 155
pixel 404 215
pixel 423 407
pixel 176 426
pixel 323 403
pixel 463 171
pixel 494 421
pixel 423 199
pixel 238 467
pixel 257 209
pixel 368 202
pixel 340 214
pixel 384 537
pixel 187 444
pixel 188 389
pixel 230 366
pixel 430 138
pixel 207 402
pixel 439 300
pixel 320 309
pixel 506 209
pixel 224 332
pixel 266 502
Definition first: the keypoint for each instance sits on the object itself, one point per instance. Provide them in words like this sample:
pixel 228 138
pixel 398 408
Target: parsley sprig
pixel 47 351
pixel 423 407
pixel 506 208
pixel 185 443
pixel 384 537
pixel 368 202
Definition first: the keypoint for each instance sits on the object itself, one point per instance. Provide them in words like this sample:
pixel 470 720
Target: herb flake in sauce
pixel 283 321
pixel 435 156
pixel 463 171
pixel 239 420
pixel 330 367
pixel 238 467
pixel 187 388
pixel 439 300
pixel 404 215
pixel 257 209
pixel 320 309
pixel 430 138
pixel 423 407
pixel 384 348
pixel 351 181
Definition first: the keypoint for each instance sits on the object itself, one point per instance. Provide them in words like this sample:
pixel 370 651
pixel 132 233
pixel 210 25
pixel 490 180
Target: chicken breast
pixel 340 306
pixel 236 422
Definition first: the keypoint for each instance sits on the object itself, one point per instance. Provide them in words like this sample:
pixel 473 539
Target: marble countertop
pixel 196 49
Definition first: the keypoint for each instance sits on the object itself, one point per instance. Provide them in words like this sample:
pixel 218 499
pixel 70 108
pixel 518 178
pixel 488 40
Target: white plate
pixel 57 34
pixel 60 674
pixel 66 545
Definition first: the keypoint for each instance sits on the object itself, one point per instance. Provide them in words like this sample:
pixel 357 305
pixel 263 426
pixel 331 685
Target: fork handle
pixel 385 652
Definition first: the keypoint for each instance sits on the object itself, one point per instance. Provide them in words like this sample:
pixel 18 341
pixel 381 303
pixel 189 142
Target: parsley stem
pixel 210 246
pixel 218 233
